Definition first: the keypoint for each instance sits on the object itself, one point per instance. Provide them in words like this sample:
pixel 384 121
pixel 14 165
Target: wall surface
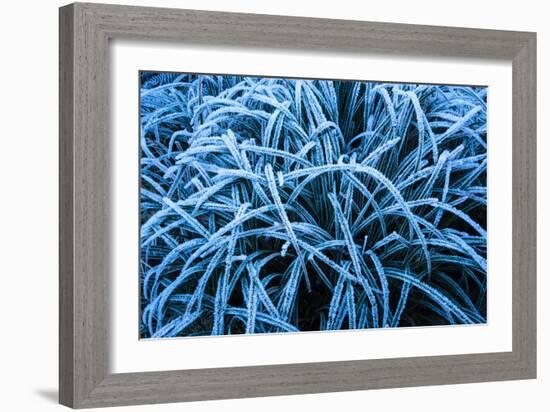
pixel 28 187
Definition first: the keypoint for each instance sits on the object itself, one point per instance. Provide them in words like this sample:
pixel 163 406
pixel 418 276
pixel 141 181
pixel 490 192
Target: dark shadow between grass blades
pixel 284 205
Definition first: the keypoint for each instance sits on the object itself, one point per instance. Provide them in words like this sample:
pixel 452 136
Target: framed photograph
pixel 257 205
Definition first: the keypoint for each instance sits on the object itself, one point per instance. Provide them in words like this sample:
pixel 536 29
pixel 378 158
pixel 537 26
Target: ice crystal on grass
pixel 282 205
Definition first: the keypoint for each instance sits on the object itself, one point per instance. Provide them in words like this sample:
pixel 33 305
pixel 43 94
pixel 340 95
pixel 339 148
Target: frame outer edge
pixel 303 33
pixel 524 206
pixel 83 346
pixel 66 215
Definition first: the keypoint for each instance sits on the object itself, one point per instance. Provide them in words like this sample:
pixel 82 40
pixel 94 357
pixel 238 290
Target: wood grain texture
pixel 524 226
pixel 66 109
pixel 85 31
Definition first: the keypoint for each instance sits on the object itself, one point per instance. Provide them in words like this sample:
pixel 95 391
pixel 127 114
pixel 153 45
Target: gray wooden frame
pixel 85 31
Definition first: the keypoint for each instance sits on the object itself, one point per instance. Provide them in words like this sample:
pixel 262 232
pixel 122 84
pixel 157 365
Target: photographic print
pixel 272 205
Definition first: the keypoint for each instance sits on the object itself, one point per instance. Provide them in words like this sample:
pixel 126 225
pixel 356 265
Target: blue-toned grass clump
pixel 282 205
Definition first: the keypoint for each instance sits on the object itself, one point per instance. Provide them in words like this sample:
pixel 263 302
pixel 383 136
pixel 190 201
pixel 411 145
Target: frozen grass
pixel 275 205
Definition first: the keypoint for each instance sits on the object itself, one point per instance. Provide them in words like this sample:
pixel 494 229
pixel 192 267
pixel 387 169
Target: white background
pixel 28 355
